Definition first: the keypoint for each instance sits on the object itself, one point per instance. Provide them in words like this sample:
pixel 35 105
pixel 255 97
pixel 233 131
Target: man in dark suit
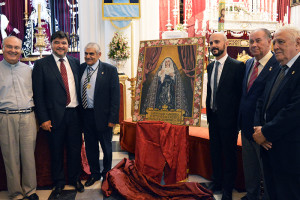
pixel 224 88
pixel 100 102
pixel 55 92
pixel 277 119
pixel 258 70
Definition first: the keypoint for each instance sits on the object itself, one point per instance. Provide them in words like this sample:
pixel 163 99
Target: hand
pixel 111 124
pixel 258 136
pixel 46 126
pixel 266 145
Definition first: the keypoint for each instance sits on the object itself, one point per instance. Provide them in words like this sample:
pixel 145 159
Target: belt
pixel 20 111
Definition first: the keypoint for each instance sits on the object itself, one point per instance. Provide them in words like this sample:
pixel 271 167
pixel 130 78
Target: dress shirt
pixel 15 86
pixel 262 64
pixel 220 69
pixel 91 90
pixel 71 81
pixel 291 62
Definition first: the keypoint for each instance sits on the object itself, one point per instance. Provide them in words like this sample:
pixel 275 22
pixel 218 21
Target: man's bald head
pixel 218 44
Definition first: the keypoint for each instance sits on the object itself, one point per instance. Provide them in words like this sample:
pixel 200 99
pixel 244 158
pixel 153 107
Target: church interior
pixel 150 31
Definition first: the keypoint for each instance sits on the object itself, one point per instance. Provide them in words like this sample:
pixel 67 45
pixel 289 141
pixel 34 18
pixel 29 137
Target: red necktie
pixel 253 75
pixel 64 76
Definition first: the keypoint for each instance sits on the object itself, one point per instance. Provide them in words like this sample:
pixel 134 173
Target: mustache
pixel 215 48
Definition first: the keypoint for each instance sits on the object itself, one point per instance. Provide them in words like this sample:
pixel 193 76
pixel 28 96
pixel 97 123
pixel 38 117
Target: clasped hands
pixel 260 139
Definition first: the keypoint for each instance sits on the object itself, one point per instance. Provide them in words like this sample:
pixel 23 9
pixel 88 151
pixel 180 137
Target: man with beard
pixel 224 89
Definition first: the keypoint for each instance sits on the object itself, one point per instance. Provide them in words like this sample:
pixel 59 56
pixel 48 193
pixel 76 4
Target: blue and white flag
pixel 121 9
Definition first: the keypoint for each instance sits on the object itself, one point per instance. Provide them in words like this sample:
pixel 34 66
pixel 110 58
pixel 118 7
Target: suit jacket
pixel 249 99
pixel 49 91
pixel 106 95
pixel 228 92
pixel 281 121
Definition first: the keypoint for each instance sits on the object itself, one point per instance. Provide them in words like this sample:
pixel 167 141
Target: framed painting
pixel 169 81
pixel 294 2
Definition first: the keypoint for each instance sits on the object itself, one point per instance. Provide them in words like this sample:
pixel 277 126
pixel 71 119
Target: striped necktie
pixel 85 85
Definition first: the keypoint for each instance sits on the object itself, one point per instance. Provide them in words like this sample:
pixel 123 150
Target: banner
pixel 121 9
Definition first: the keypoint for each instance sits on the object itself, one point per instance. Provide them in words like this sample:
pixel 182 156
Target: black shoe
pixel 244 197
pixel 78 186
pixel 33 196
pixel 57 191
pixel 227 195
pixel 91 180
pixel 215 188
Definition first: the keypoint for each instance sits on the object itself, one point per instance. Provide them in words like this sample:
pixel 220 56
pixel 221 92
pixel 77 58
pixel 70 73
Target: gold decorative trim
pixel 238 43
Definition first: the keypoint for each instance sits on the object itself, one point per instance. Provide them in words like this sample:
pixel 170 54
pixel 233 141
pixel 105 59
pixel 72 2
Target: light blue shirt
pixel 90 90
pixel 15 86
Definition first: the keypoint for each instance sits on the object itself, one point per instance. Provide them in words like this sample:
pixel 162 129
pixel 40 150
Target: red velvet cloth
pixel 169 151
pixel 130 183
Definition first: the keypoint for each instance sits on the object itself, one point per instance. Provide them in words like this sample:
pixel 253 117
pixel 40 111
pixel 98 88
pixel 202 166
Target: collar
pixel 10 65
pixel 265 59
pixel 94 66
pixel 56 58
pixel 223 59
pixel 291 62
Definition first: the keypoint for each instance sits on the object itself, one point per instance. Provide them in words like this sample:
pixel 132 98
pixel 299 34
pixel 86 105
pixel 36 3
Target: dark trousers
pixel 92 137
pixel 66 134
pixel 223 146
pixel 280 184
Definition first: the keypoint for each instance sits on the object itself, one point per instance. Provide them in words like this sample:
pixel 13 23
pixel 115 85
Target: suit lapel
pixel 225 71
pixel 53 66
pixel 74 71
pixel 100 77
pixel 294 69
pixel 248 69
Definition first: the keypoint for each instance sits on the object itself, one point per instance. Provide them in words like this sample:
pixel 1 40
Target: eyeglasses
pixel 12 47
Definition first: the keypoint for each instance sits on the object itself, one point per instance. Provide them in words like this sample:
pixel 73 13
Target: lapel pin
pixel 270 69
pixel 102 72
pixel 293 72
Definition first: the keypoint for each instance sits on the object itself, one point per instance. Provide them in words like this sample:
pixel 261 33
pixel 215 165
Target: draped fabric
pixel 198 8
pixel 283 6
pixel 187 57
pixel 163 15
pixel 169 151
pixel 126 180
pixel 234 50
pixel 151 59
pixel 14 12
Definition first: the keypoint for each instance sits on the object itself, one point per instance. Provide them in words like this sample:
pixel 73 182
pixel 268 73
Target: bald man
pixel 17 121
pixel 224 89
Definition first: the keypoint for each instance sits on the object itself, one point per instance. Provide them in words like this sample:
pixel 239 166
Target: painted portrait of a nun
pixel 166 88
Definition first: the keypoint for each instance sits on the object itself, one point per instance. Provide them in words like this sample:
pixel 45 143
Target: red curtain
pixel 151 59
pixel 198 8
pixel 283 6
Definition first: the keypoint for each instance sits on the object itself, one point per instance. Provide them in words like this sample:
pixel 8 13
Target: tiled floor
pixel 93 192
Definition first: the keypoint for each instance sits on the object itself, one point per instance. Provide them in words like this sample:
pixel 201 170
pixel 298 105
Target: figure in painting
pixel 5 26
pixel 29 40
pixel 166 88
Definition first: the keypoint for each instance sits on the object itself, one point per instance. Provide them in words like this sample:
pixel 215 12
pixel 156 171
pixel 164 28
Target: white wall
pixel 93 29
pixel 295 16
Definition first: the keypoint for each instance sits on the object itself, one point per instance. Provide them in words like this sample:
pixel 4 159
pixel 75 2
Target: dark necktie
pixel 214 107
pixel 253 75
pixel 64 75
pixel 277 82
pixel 85 85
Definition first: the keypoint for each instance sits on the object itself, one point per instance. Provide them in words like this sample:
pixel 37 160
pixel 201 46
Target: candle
pixel 26 11
pixel 185 11
pixel 168 11
pixel 39 15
